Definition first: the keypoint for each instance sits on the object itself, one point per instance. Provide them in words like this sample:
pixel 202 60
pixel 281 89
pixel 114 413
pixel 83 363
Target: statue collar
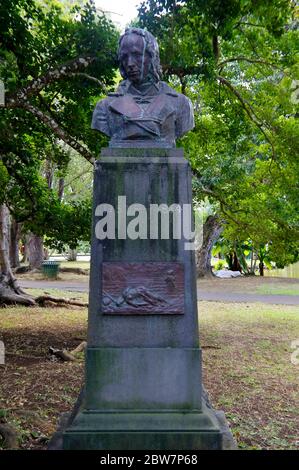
pixel 162 88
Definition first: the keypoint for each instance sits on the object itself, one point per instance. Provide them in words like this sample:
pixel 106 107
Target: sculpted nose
pixel 130 62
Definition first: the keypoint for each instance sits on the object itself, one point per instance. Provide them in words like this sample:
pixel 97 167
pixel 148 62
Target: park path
pixel 237 297
pixel 219 296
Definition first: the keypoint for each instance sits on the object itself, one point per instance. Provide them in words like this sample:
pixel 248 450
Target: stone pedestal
pixel 143 361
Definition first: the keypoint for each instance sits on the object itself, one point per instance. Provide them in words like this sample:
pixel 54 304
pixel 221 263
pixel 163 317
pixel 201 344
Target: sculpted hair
pixel 151 46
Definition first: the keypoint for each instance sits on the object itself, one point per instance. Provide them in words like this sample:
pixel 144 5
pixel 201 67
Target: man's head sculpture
pixel 144 111
pixel 138 55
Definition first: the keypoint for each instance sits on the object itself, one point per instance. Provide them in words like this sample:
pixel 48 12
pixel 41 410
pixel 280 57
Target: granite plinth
pixel 143 371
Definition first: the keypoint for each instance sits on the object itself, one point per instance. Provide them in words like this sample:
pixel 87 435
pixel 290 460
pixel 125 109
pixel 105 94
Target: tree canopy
pixel 237 60
pixel 56 60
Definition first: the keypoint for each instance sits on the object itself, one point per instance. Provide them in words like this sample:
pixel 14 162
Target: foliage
pixel 56 60
pixel 237 61
pixel 219 265
pixel 72 225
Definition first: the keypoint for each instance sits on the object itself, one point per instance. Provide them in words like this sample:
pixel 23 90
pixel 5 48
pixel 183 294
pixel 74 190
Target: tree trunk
pixel 14 244
pixel 229 260
pixel 216 48
pixel 25 249
pixel 72 255
pixel 60 189
pixel 10 292
pixel 36 251
pixel 261 268
pixel 236 264
pixel 251 262
pixel 211 231
pixel 49 172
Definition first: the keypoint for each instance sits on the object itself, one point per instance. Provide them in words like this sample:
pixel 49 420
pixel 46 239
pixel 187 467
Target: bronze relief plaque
pixel 143 288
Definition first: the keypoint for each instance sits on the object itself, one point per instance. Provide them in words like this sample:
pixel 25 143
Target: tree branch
pixel 182 71
pixel 249 111
pixel 53 75
pixel 44 103
pixel 247 59
pixel 223 204
pixel 85 172
pixel 89 77
pixel 62 134
pixel 246 23
pixel 216 47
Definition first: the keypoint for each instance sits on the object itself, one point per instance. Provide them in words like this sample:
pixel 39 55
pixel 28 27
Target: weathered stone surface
pixel 228 440
pixel 143 372
pixel 114 422
pixel 150 180
pixel 143 379
pixel 144 431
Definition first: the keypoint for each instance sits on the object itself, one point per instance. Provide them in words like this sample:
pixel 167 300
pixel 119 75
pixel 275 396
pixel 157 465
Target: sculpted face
pixel 135 59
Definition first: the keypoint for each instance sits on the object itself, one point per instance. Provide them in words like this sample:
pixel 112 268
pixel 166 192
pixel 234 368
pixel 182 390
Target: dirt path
pixel 71 286
pixel 235 290
pixel 236 297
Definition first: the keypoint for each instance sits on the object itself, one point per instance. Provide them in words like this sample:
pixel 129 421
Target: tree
pixel 211 232
pixel 236 60
pixel 77 194
pixel 10 292
pixel 55 62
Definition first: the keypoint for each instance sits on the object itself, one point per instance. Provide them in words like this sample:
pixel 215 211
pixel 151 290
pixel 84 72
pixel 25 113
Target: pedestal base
pixel 143 398
pixel 144 431
pixel 143 361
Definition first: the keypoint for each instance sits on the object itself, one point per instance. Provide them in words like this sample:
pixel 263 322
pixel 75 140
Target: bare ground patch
pixel 34 389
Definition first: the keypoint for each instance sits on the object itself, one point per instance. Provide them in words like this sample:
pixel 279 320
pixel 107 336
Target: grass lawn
pixel 246 366
pixel 251 285
pixel 75 264
pixel 82 296
pixel 278 289
pixel 248 372
pixel 38 276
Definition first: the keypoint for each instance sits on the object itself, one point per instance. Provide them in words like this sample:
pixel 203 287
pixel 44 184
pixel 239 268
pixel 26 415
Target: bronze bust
pixel 144 111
